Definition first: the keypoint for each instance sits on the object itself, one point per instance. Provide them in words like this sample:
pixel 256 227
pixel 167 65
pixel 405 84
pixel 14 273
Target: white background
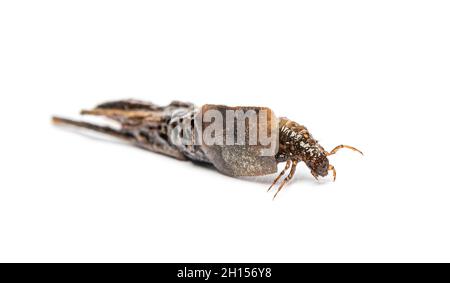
pixel 373 74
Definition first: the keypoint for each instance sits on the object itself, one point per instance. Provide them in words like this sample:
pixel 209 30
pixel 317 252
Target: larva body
pixel 174 130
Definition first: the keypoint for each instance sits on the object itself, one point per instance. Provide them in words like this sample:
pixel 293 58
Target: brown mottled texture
pixel 296 143
pixel 165 129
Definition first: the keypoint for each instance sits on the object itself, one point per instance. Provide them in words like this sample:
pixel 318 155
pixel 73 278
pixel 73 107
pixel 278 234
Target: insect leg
pixel 288 164
pixel 343 146
pixel 288 178
pixel 331 168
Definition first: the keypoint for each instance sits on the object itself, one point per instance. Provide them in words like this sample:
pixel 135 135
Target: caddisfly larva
pixel 237 141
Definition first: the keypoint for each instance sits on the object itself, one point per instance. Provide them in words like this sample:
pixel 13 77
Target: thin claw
pixel 288 164
pixel 275 195
pixel 281 186
pixel 331 168
pixel 343 146
pixel 287 179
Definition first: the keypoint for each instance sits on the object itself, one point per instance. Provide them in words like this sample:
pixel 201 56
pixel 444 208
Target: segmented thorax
pixel 296 143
